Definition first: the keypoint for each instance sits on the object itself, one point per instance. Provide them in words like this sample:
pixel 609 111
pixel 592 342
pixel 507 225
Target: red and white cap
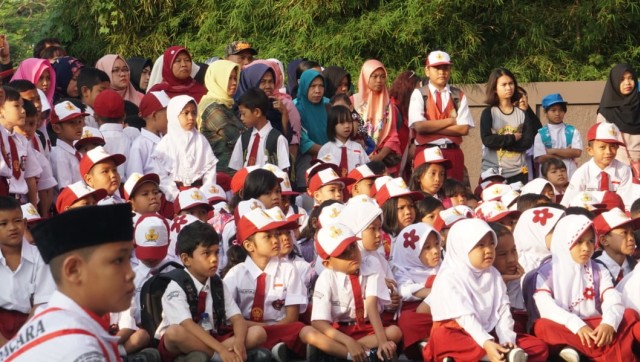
pixel 510 198
pixel 597 201
pixel 190 198
pixel 258 220
pixel 65 111
pixel 493 174
pixel 237 181
pixel 359 212
pixel 333 240
pixel 495 191
pixel 431 155
pixel 276 214
pixel 330 215
pixel 325 177
pixel 136 180
pixel 438 57
pixel 360 173
pixel 151 234
pixel 30 213
pixel 153 102
pixel 447 217
pixel 605 132
pixel 89 135
pixel 285 183
pixel 536 186
pixel 491 211
pixel 395 187
pixel 97 155
pixel 74 192
pixel 214 193
pixel 177 224
pixel 613 219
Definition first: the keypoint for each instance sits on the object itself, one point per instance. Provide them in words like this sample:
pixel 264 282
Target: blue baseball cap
pixel 552 99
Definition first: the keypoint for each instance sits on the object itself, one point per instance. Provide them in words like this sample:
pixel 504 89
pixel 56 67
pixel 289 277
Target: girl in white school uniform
pixel 578 305
pixel 533 233
pixel 343 151
pixel 470 305
pixel 183 157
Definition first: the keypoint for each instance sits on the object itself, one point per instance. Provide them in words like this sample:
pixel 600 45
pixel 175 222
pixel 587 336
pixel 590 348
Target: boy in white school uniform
pixel 153 108
pixel 109 113
pixel 99 171
pixel 67 122
pixel 616 239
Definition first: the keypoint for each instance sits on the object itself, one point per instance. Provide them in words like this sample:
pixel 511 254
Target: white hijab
pixel 530 232
pixel 406 255
pixel 536 186
pixel 570 279
pixel 460 289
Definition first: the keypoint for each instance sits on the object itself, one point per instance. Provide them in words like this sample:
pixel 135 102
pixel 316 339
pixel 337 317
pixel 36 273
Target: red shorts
pixel 354 331
pixel 11 321
pixel 167 356
pixel 289 334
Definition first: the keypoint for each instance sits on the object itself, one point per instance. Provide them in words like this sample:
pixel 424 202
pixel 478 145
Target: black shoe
pixel 259 355
pixel 195 356
pixel 373 357
pixel 316 355
pixel 146 355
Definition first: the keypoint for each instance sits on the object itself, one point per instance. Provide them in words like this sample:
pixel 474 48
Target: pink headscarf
pixel 130 93
pixel 377 102
pixel 31 69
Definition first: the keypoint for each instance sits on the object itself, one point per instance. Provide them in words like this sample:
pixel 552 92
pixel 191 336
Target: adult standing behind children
pixel 440 114
pixel 176 75
pixel 620 105
pixel 120 77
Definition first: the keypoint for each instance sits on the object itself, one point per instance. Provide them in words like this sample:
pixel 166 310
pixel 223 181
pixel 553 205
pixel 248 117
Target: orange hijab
pixel 376 102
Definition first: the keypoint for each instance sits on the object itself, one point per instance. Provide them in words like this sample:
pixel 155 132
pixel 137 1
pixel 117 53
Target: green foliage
pixel 540 41
pixel 20 21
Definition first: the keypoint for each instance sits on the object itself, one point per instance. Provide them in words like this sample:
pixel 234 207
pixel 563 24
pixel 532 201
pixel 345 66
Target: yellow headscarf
pixel 217 80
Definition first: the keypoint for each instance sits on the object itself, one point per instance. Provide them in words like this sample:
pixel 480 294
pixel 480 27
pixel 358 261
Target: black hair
pixel 196 234
pixel 492 84
pixel 499 229
pixel 414 182
pixel 390 223
pixel 335 116
pixel 11 94
pixel 577 210
pixel 235 255
pixel 40 46
pixel 30 109
pixel 377 167
pixel 340 97
pixel 529 201
pixel 258 183
pixel 22 85
pixel 135 121
pixel 76 102
pixel 54 51
pixel 635 207
pixel 552 161
pixel 309 231
pixel 89 77
pixel 305 65
pixel 199 77
pixel 255 98
pixel 452 187
pixel 427 206
pixel 9 203
pixel 562 105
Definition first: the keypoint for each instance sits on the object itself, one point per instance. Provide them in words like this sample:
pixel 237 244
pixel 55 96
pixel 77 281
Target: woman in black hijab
pixel 620 105
pixel 140 72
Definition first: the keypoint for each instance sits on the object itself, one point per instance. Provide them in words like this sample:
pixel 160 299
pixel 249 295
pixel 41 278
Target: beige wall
pixel 583 99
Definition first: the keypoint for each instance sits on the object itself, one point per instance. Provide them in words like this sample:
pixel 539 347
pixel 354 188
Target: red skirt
pixel 416 327
pixel 11 321
pixel 558 336
pixel 289 334
pixel 448 339
pixel 354 331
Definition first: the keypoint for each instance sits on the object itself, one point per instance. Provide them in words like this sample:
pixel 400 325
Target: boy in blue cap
pixel 557 139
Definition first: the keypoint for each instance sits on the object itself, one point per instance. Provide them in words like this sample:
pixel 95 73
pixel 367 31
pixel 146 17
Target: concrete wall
pixel 583 99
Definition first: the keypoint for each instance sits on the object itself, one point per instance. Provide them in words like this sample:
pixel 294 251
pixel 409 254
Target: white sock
pixel 349 357
pixel 216 357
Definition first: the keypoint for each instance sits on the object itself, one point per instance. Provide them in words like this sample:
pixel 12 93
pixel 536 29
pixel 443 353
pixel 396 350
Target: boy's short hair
pixel 635 207
pixel 255 98
pixel 552 161
pixel 9 203
pixel 529 201
pixel 30 109
pixel 194 235
pixel 11 94
pixel 40 46
pixel 22 85
pixel 89 77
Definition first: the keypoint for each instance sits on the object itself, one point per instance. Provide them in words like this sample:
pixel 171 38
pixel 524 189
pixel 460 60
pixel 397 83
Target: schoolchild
pixel 348 153
pixel 397 202
pixel 446 218
pixel 427 210
pixel 364 180
pixel 495 211
pixel 67 121
pixel 78 195
pixel 324 183
pixel 533 234
pixel 615 236
pixel 554 170
pixel 454 192
pixel 429 172
pixel 153 109
pixel 540 186
pixel 109 113
pixel 91 82
pixel 143 192
pixel 99 171
pixel 193 202
pixel 90 139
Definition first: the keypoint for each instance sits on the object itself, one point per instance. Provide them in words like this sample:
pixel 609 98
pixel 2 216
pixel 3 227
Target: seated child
pixel 143 192
pixel 578 306
pixel 539 186
pixel 430 171
pixel 495 211
pixel 470 306
pixel 91 138
pixel 67 121
pixel 346 153
pixel 446 218
pixel 26 279
pixel 529 201
pixel 193 202
pixel 99 170
pixel 364 181
pixel 533 234
pixel 554 170
pixel 153 108
pixel 78 195
pixel 455 193
pixel 615 236
pixel 349 297
pixel 427 210
pixel 325 184
pixel 91 82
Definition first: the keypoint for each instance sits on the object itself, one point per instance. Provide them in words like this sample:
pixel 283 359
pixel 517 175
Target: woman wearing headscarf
pixel 338 80
pixel 67 69
pixel 620 105
pixel 379 114
pixel 177 77
pixel 120 76
pixel 39 72
pixel 216 119
pixel 140 72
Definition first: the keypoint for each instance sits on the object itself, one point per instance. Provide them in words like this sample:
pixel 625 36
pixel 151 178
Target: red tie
pixel 620 275
pixel 357 298
pixel 35 143
pixel 604 181
pixel 202 304
pixel 439 101
pixel 254 150
pixel 257 310
pixel 78 156
pixel 15 159
pixel 344 163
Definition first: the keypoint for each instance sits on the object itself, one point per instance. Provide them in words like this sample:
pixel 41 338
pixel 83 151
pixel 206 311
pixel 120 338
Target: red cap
pixel 237 181
pixel 491 211
pixel 97 155
pixel 333 240
pixel 109 104
pixel 431 155
pixel 613 219
pixel 151 236
pixel 190 198
pixel 395 188
pixel 323 176
pixel 605 132
pixel 153 102
pixel 258 220
pixel 89 135
pixel 136 180
pixel 74 192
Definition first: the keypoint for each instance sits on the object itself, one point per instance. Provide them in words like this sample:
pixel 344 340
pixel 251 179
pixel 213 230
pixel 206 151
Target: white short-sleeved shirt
pixel 283 288
pixel 613 267
pixel 90 119
pixel 417 108
pixel 587 178
pixel 64 164
pixel 559 140
pixel 333 296
pixel 144 273
pixel 28 163
pixel 30 283
pixel 175 308
pixel 62 332
pixel 237 161
pixel 139 157
pixel 46 179
pixel 116 141
pixel 356 155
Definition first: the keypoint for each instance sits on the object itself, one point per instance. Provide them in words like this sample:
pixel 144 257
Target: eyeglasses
pixel 120 70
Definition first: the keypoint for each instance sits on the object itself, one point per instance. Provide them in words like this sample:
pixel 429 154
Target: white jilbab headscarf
pixel 407 266
pixel 530 232
pixel 461 289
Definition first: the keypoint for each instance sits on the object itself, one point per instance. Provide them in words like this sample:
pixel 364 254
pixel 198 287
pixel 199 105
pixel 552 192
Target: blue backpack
pixel 546 137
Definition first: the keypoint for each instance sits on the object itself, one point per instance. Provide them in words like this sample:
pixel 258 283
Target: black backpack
pixel 271 146
pixel 456 95
pixel 154 288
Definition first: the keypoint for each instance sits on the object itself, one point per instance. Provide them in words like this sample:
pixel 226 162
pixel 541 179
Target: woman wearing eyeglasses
pixel 120 76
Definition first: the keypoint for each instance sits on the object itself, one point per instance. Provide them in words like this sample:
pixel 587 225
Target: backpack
pixel 456 95
pixel 271 146
pixel 544 270
pixel 545 137
pixel 154 288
